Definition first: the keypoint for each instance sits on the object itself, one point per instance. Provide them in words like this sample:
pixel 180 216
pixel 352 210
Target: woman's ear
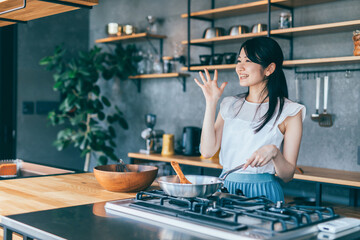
pixel 270 69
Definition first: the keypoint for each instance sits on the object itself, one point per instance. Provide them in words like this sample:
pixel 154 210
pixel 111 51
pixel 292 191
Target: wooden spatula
pixel 180 174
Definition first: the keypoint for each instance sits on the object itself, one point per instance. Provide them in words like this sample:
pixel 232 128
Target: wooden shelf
pixel 322 61
pixel 210 67
pixel 37 9
pixel 133 37
pixel 159 75
pixel 225 39
pixel 181 77
pixel 296 31
pixel 249 8
pixel 289 63
pixel 319 29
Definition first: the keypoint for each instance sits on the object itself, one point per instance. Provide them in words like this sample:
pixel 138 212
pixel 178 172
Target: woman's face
pixel 250 74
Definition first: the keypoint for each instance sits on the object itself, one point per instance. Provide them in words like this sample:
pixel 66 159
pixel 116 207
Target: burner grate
pixel 234 212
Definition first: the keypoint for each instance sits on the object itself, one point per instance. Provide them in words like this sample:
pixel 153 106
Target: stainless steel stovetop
pixel 226 216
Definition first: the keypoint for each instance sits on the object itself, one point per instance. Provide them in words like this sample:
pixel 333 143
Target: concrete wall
pixel 334 147
pixel 37 39
pixel 321 147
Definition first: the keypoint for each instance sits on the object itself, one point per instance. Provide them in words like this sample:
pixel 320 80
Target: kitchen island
pixel 71 206
pixel 54 202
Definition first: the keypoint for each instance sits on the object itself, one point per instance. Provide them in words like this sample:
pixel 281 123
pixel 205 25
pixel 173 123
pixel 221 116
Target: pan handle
pixel 225 174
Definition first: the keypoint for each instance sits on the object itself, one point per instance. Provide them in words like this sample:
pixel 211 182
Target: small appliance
pixel 191 141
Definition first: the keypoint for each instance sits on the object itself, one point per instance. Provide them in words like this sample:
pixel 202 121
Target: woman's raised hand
pixel 210 87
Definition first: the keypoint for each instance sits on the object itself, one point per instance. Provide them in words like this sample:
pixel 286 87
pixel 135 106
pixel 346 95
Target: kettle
pixel 191 141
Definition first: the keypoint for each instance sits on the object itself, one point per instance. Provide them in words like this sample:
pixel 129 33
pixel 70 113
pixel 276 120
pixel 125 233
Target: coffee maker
pixel 191 141
pixel 152 137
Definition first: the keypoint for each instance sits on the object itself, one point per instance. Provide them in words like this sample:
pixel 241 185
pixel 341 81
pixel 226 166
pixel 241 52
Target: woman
pixel 251 127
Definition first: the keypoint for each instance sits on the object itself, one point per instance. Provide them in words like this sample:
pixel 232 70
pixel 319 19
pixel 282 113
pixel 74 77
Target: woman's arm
pixel 212 131
pixel 285 163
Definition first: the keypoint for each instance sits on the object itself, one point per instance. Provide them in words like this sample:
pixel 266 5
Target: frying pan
pixel 202 186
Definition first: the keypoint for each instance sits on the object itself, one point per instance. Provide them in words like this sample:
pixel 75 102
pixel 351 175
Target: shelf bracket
pixel 282 6
pixel 182 81
pixel 152 45
pixel 14 9
pixel 137 82
pixel 70 4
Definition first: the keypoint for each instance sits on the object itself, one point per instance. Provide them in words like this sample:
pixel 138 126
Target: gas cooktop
pixel 225 215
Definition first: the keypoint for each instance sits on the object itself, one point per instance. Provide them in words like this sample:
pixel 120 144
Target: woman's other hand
pixel 262 156
pixel 210 87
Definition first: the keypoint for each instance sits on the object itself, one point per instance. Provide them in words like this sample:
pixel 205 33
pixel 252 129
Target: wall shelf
pixel 133 37
pixel 39 8
pixel 295 31
pixel 180 76
pixel 288 63
pixel 249 8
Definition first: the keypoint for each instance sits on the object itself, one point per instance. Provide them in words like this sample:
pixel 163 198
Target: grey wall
pixel 334 147
pixel 37 39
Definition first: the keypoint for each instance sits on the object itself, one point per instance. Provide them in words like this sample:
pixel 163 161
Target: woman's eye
pixel 238 61
pixel 247 60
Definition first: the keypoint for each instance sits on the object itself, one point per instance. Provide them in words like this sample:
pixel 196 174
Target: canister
pixel 285 20
pixel 168 145
pixel 168 64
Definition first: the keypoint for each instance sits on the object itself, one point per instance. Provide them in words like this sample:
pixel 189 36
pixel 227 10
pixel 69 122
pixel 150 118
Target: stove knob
pixel 279 204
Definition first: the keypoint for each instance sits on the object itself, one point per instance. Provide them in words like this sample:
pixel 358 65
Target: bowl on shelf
pixel 213 32
pixel 139 178
pixel 217 59
pixel 230 57
pixel 238 30
pixel 259 27
pixel 205 59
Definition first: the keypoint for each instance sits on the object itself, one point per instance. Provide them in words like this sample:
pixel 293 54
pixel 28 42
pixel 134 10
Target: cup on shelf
pixel 356 39
pixel 230 57
pixel 205 59
pixel 112 29
pixel 217 59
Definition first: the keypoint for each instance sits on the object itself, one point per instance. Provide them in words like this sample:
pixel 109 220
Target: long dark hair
pixel 264 51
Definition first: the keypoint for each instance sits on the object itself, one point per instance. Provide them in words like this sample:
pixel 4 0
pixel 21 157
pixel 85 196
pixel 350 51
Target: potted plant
pixel 87 115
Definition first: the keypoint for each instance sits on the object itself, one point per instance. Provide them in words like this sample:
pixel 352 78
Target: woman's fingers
pixel 202 77
pixel 223 85
pixel 215 75
pixel 198 83
pixel 208 78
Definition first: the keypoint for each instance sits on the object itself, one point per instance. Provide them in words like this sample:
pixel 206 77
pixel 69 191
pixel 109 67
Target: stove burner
pixel 234 212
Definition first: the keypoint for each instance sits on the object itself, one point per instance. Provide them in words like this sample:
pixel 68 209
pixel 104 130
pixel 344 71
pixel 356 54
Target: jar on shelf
pixel 285 20
pixel 168 64
pixel 356 39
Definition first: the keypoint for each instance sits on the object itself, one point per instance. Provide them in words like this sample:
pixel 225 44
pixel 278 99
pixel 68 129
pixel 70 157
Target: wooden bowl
pixel 139 178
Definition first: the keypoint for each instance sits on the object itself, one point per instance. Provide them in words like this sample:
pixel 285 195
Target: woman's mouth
pixel 243 76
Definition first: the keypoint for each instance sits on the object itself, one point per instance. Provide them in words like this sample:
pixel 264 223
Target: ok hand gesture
pixel 210 87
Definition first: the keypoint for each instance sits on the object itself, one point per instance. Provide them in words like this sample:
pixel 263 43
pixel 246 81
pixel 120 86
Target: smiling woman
pixel 251 127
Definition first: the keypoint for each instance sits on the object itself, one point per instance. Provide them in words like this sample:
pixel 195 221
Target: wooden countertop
pixel 314 174
pixel 44 193
pixel 181 159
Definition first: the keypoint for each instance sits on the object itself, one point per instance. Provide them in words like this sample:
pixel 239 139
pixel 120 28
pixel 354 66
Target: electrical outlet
pixel 28 107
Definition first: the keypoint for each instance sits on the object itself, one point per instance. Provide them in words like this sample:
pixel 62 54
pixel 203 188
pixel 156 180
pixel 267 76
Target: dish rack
pixel 18 163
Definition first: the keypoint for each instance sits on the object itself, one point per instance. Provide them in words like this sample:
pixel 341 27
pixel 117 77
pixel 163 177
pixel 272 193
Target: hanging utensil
pixel 315 116
pixel 297 90
pixel 180 174
pixel 325 119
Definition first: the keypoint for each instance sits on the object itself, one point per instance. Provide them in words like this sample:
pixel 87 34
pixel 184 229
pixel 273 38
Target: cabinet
pixel 146 37
pixel 288 33
pixel 21 11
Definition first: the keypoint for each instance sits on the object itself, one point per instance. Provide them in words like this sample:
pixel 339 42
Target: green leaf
pixel 123 123
pixel 101 116
pixel 112 131
pixel 96 90
pixel 102 160
pixel 105 101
